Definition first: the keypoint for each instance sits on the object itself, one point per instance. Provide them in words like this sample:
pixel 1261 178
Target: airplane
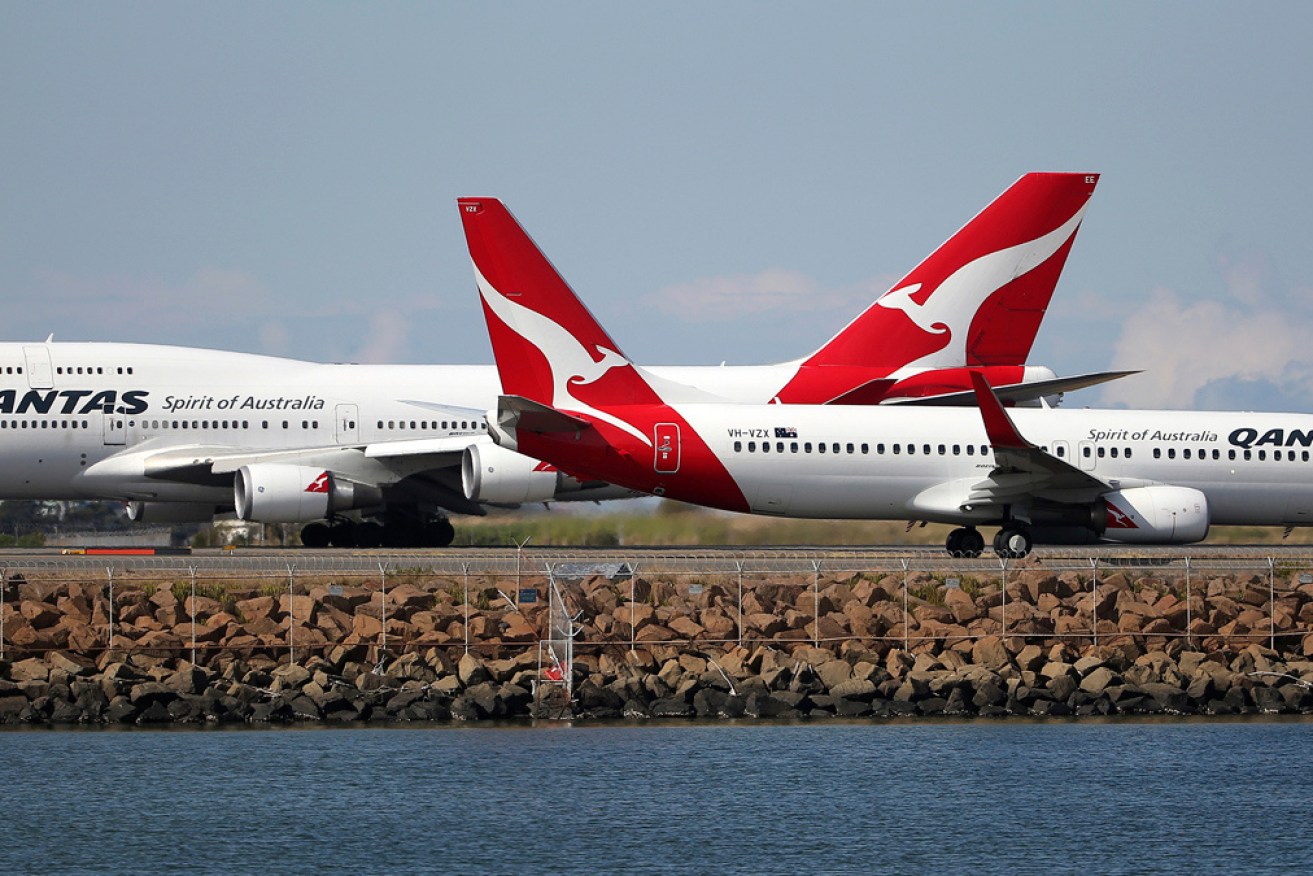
pixel 572 399
pixel 381 454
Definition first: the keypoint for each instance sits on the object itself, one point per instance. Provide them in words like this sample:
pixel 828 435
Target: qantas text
pixel 73 401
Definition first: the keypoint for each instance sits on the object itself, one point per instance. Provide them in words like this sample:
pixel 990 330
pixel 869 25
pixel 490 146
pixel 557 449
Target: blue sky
pixel 282 178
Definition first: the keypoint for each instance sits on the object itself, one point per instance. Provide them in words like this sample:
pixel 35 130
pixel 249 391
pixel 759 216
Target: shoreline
pixel 869 646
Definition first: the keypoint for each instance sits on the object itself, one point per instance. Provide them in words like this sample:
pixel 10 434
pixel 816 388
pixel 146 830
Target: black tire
pixel 973 543
pixel 315 535
pixel 1013 542
pixel 369 535
pixel 439 533
pixel 342 534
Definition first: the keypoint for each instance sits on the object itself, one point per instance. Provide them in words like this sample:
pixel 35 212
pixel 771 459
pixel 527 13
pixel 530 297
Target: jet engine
pixel 1160 514
pixel 490 473
pixel 272 492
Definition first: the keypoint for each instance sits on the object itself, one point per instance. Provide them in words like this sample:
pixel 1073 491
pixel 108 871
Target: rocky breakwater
pixel 428 650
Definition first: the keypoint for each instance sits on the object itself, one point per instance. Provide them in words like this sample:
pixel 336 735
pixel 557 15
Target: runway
pixel 693 559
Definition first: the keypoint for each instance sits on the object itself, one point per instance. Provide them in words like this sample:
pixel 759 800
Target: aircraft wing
pixel 1017 392
pixel 429 468
pixel 1023 470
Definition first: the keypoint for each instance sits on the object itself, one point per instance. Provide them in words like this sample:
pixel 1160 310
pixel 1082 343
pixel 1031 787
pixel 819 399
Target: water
pixel 1203 797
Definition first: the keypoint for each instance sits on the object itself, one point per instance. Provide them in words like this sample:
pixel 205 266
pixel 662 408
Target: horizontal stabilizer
pixel 871 392
pixel 516 412
pixel 1015 393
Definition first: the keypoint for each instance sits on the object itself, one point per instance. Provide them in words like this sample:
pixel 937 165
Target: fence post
pixel 905 565
pixel 633 632
pixel 4 585
pixel 291 614
pixel 466 567
pixel 816 605
pixel 519 553
pixel 192 571
pixel 109 573
pixel 1272 602
pixel 1187 601
pixel 1003 582
pixel 739 564
pixel 1094 599
pixel 383 576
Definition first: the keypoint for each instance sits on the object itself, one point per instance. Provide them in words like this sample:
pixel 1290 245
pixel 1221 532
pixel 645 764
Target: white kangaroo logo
pixel 951 307
pixel 569 360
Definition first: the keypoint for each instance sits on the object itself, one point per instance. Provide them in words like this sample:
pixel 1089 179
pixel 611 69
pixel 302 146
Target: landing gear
pixel 1013 541
pixel 398 531
pixel 965 541
pixel 315 535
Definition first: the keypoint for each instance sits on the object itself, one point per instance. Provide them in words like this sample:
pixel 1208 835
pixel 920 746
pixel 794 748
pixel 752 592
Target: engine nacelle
pixel 274 492
pixel 1156 515
pixel 490 473
pixel 172 512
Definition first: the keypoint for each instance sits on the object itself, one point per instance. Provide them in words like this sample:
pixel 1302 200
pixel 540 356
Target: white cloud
pixel 722 299
pixel 1183 347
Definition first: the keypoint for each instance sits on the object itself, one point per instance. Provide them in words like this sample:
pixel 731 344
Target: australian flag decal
pixel 785 432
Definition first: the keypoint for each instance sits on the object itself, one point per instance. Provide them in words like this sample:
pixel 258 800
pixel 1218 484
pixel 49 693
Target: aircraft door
pixel 116 429
pixel 39 373
pixel 348 424
pixel 666 447
pixel 1085 450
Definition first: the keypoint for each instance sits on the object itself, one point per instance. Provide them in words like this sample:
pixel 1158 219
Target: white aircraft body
pixel 1040 475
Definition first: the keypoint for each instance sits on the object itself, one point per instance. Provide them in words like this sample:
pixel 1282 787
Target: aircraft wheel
pixel 315 535
pixel 342 534
pixel 965 541
pixel 1012 542
pixel 439 533
pixel 369 535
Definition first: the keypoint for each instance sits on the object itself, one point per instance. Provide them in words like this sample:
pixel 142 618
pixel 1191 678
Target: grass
pixel 675 524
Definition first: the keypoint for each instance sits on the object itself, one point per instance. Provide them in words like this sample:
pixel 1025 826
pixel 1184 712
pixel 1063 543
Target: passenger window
pixel 752 446
pixel 1085 452
pixel 738 446
pixel 807 447
pixel 820 448
pixel 793 448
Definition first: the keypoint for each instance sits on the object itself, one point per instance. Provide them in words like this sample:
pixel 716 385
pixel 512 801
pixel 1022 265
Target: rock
pixel 672 707
pixel 30 669
pixel 71 664
pixel 471 671
pixel 1031 658
pixel 990 652
pixel 148 693
pixel 1062 687
pixel 120 711
pixel 1097 681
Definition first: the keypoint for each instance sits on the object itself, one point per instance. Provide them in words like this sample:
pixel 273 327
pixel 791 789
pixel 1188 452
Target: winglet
pixel 1003 434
